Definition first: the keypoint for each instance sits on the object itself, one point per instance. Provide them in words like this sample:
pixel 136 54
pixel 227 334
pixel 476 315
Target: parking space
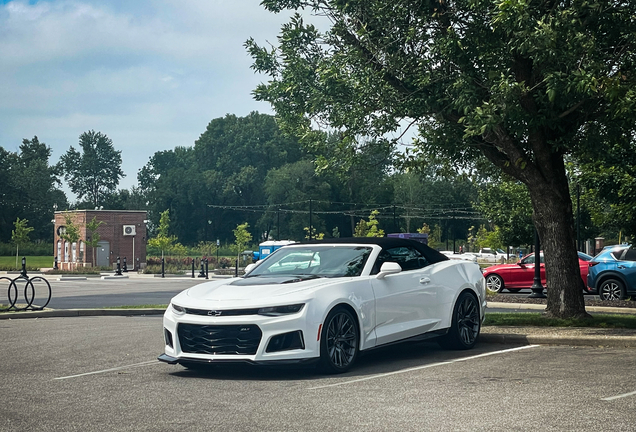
pixel 100 373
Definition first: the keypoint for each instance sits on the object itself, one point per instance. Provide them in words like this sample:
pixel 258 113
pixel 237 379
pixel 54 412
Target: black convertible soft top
pixel 431 255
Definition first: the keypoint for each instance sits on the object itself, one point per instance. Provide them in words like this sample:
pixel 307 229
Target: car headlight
pixel 178 309
pixel 281 310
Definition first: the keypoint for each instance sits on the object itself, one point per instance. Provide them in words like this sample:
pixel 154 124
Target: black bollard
pixel 118 271
pixel 206 268
pixel 125 269
pixel 163 267
pixel 55 264
pixel 24 272
pixel 537 287
pixel 202 272
pixel 192 267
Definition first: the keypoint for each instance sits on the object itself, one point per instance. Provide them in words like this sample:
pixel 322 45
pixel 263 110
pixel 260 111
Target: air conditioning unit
pixel 129 230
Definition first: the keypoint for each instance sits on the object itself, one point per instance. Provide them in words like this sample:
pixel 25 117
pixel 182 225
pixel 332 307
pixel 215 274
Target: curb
pixel 63 313
pixel 522 339
pixel 598 309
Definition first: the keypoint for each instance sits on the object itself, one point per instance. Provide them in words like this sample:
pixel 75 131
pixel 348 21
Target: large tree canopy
pixel 520 82
pixel 29 189
pixel 94 172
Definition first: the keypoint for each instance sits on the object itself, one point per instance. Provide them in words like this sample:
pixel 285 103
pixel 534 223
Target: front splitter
pixel 185 360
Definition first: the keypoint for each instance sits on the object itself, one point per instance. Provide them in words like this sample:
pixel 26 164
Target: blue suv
pixel 612 273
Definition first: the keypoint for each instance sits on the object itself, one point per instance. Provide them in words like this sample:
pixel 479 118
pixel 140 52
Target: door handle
pixel 424 280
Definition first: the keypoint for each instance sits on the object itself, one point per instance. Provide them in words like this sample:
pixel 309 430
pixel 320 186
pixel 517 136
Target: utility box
pixel 267 247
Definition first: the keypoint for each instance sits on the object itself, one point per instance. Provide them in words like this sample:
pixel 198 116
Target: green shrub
pixel 33 249
pixel 168 269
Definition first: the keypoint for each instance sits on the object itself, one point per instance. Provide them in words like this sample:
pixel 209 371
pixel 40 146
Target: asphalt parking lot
pixel 101 373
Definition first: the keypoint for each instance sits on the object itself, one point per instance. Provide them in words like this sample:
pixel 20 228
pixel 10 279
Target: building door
pixel 103 254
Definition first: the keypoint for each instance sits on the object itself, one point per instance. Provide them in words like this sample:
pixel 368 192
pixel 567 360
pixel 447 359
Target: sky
pixel 149 74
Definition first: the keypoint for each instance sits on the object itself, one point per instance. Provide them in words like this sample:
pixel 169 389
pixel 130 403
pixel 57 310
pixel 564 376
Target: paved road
pixel 100 373
pixel 98 293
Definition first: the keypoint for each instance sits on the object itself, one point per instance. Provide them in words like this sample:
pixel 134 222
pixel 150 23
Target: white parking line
pixel 422 367
pixel 109 370
pixel 619 396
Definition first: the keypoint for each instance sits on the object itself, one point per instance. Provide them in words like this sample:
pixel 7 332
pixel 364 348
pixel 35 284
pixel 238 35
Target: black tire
pixel 514 290
pixel 611 289
pixel 339 341
pixel 466 324
pixel 494 283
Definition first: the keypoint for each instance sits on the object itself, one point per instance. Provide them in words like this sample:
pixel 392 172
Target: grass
pixel 147 306
pixel 521 319
pixel 32 262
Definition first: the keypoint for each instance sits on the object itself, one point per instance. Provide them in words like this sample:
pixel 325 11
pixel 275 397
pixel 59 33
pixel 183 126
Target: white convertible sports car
pixel 326 301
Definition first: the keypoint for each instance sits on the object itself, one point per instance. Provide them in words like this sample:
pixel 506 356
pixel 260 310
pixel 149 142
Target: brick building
pixel 122 234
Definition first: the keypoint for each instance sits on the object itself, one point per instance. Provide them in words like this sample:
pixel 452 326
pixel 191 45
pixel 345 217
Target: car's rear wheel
pixel 514 290
pixel 611 289
pixel 494 283
pixel 339 340
pixel 465 325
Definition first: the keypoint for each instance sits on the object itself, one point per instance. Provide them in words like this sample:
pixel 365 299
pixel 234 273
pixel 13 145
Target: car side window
pixel 529 259
pixel 407 257
pixel 630 255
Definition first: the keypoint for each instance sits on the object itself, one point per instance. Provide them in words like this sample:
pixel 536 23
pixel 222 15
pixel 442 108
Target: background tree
pixel 369 228
pixel 520 83
pixel 226 167
pixel 20 236
pixel 507 205
pixel 163 240
pixel 295 184
pixel 94 171
pixel 93 236
pixel 242 237
pixel 30 189
pixel 313 234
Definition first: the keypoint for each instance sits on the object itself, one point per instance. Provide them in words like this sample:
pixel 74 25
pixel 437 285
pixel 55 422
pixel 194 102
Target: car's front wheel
pixel 339 340
pixel 465 325
pixel 611 289
pixel 494 283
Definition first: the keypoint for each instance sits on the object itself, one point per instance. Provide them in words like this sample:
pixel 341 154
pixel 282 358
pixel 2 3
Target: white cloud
pixel 149 74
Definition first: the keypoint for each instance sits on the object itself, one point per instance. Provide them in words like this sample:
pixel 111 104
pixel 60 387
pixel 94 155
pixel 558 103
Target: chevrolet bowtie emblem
pixel 214 313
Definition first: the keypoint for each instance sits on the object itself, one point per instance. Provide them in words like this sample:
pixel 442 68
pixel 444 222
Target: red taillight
pixel 592 263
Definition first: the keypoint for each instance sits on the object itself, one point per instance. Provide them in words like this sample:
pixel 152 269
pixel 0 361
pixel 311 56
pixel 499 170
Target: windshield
pixel 318 260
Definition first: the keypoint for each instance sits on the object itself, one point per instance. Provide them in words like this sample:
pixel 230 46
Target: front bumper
pixel 253 342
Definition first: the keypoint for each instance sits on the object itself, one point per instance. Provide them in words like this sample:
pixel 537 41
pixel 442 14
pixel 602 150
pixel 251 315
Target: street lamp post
pixel 537 288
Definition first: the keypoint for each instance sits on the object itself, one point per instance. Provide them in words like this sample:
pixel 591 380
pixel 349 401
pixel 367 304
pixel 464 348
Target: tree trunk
pixel 552 215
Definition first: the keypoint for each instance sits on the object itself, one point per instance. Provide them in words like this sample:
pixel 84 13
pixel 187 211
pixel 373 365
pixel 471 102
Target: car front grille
pixel 240 339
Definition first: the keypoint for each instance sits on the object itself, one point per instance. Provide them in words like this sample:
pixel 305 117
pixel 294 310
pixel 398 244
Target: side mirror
pixel 389 268
pixel 249 267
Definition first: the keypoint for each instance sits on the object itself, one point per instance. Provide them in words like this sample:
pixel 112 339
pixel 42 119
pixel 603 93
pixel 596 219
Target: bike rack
pixel 29 293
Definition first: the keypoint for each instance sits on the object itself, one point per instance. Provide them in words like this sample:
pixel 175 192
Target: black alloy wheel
pixel 465 325
pixel 494 283
pixel 611 289
pixel 339 341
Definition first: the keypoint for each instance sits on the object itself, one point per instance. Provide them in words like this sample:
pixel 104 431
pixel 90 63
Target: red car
pixel 515 277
